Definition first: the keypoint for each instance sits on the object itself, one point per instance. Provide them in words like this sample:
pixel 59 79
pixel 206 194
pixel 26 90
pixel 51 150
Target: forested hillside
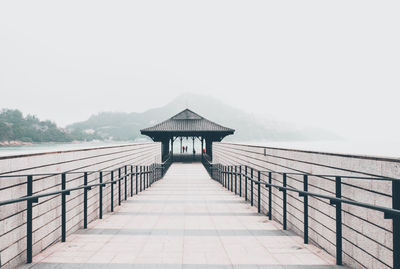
pixel 15 127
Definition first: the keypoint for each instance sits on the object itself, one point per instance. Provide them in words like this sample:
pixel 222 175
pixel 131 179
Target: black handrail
pixel 224 175
pixel 146 174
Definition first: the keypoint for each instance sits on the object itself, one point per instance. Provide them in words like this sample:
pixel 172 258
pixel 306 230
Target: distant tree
pixel 14 126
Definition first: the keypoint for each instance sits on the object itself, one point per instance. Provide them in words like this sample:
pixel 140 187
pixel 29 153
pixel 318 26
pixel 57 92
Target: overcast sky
pixel 334 64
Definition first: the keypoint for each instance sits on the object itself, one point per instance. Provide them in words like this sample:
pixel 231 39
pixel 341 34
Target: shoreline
pixel 14 143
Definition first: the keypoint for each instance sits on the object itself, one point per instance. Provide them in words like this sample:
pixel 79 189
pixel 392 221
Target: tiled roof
pixel 187 121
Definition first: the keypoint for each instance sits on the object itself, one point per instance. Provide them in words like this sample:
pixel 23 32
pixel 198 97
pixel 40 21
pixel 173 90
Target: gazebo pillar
pixel 172 147
pixel 164 148
pixel 209 146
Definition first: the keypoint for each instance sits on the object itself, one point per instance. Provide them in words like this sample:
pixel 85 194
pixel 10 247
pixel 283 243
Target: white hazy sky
pixel 333 64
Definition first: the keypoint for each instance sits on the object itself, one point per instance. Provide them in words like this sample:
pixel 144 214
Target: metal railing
pixel 231 177
pixel 141 176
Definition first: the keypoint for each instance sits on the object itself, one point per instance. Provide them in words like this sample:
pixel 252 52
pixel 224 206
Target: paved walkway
pixel 185 220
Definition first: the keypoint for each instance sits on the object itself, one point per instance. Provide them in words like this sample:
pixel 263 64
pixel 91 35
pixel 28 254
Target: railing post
pixel 396 223
pixel 224 176
pixel 131 180
pixel 63 208
pixel 232 171
pixel 339 222
pixel 305 188
pixel 251 186
pixel 220 173
pixel 136 177
pixel 126 182
pixel 147 175
pixel 100 195
pixel 153 170
pixel 141 174
pixel 240 180
pixel 270 196
pixel 245 183
pixel 231 178
pixel 119 186
pixel 150 174
pixel 85 193
pixel 235 179
pixel 259 192
pixel 112 191
pixel 284 203
pixel 29 203
pixel 227 176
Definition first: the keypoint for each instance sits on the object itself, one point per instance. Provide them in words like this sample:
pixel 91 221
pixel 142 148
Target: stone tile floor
pixel 185 220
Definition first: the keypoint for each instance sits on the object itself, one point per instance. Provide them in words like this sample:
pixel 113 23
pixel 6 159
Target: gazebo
pixel 187 124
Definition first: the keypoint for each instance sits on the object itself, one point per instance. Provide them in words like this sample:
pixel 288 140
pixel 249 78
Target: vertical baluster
pixel 29 203
pixel 240 180
pixel 100 195
pixel 270 196
pixel 85 193
pixel 131 180
pixel 225 176
pixel 284 203
pixel 235 179
pixel 147 175
pixel 229 178
pixel 119 186
pixel 259 192
pixel 141 174
pixel 251 185
pixel 232 178
pixel 112 191
pixel 63 208
pixel 305 188
pixel 396 223
pixel 126 182
pixel 338 221
pixel 245 183
pixel 137 177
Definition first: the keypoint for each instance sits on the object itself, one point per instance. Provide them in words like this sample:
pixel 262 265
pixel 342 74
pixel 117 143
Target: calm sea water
pixel 379 148
pixel 37 148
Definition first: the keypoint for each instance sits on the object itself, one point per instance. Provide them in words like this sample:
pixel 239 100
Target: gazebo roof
pixel 187 122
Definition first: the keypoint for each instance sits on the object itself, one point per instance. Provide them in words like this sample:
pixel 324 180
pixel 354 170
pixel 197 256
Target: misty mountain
pixel 249 127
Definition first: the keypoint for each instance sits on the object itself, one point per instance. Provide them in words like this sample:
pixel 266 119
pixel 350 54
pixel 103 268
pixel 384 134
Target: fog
pixel 332 64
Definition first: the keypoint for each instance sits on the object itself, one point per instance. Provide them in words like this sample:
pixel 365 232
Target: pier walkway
pixel 185 220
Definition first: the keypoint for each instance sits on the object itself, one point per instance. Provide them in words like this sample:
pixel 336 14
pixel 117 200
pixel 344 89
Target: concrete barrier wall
pixel 46 213
pixel 367 236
